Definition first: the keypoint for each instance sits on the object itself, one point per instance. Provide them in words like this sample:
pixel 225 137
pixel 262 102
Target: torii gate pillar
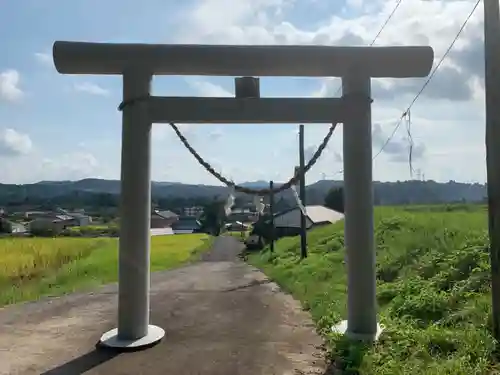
pixel 138 62
pixel 359 241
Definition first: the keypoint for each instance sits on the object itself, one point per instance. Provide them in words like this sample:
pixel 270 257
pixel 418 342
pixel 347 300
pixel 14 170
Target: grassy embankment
pixel 35 267
pixel 433 291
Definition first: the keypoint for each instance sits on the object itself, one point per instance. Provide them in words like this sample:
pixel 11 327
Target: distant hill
pixel 388 193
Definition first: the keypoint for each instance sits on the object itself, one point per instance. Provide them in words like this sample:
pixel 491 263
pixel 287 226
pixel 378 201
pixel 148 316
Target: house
pixel 10 227
pixel 17 228
pixel 287 223
pixel 195 211
pixel 243 216
pixel 54 224
pixel 55 221
pixel 236 226
pixel 79 217
pixel 186 225
pixel 31 215
pixel 163 219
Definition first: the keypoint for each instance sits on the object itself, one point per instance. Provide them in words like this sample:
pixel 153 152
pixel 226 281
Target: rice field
pixel 35 267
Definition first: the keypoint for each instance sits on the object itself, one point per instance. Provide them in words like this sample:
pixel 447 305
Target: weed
pixel 432 288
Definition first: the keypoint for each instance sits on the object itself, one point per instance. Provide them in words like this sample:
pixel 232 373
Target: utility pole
pixel 303 230
pixel 492 92
pixel 271 213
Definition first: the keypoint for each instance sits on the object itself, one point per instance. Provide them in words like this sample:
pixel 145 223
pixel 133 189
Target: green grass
pixel 433 291
pixel 92 227
pixel 93 230
pixel 34 267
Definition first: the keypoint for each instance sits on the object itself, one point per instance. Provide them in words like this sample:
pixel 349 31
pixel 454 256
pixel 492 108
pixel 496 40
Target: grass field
pixel 433 291
pixel 35 267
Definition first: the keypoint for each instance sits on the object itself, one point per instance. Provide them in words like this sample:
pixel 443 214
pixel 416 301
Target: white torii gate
pixel 137 63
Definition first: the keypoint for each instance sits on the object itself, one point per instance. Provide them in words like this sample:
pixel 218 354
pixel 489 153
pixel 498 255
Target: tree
pixel 5 226
pixel 335 199
pixel 213 217
pixel 263 227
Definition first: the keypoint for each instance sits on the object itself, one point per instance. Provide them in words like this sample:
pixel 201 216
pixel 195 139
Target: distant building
pixel 287 223
pixel 80 220
pixel 55 221
pixel 195 211
pixel 10 227
pixel 243 216
pixel 51 223
pixel 17 228
pixel 186 225
pixel 236 226
pixel 163 219
pixel 37 214
pixel 79 217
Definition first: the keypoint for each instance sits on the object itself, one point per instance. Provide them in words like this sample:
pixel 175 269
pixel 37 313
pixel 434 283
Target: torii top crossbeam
pixel 226 60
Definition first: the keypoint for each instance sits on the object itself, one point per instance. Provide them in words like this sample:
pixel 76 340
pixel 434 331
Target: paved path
pixel 221 317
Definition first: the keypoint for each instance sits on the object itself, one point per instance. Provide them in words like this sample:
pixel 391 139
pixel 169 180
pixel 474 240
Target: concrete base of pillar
pixel 110 339
pixel 341 328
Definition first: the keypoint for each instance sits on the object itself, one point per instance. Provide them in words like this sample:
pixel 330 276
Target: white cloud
pixel 41 164
pixel 44 58
pixel 215 134
pixel 205 88
pixel 163 132
pixel 13 143
pixel 9 85
pixel 211 19
pixel 91 88
pixel 448 115
pixel 73 166
pixel 438 123
pixel 195 133
pixel 356 4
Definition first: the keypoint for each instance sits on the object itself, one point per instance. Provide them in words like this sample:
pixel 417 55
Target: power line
pixel 388 19
pixel 386 22
pixel 444 55
pixel 387 140
pixel 406 112
pixel 431 76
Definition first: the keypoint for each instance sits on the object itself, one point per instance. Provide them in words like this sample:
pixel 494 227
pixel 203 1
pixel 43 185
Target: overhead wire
pixel 386 22
pixel 406 113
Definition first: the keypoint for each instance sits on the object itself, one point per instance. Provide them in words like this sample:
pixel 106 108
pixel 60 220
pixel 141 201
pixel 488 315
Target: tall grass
pixel 35 267
pixel 432 287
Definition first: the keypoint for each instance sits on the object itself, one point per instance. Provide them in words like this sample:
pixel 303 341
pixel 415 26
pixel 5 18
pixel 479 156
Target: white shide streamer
pixel 299 202
pixel 229 203
pixel 259 204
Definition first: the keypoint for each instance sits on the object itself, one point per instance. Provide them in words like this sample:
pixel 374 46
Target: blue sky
pixel 55 126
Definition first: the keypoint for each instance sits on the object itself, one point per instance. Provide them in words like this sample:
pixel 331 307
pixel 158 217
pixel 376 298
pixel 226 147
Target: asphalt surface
pixel 220 315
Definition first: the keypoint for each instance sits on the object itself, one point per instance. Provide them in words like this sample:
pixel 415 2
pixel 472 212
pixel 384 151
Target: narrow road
pixel 221 317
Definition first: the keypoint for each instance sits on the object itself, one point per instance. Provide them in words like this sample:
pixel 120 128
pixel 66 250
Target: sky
pixel 67 127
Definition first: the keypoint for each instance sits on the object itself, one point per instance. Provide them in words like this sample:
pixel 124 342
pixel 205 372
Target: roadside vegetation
pixel 34 267
pixel 102 230
pixel 433 291
pixel 239 235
